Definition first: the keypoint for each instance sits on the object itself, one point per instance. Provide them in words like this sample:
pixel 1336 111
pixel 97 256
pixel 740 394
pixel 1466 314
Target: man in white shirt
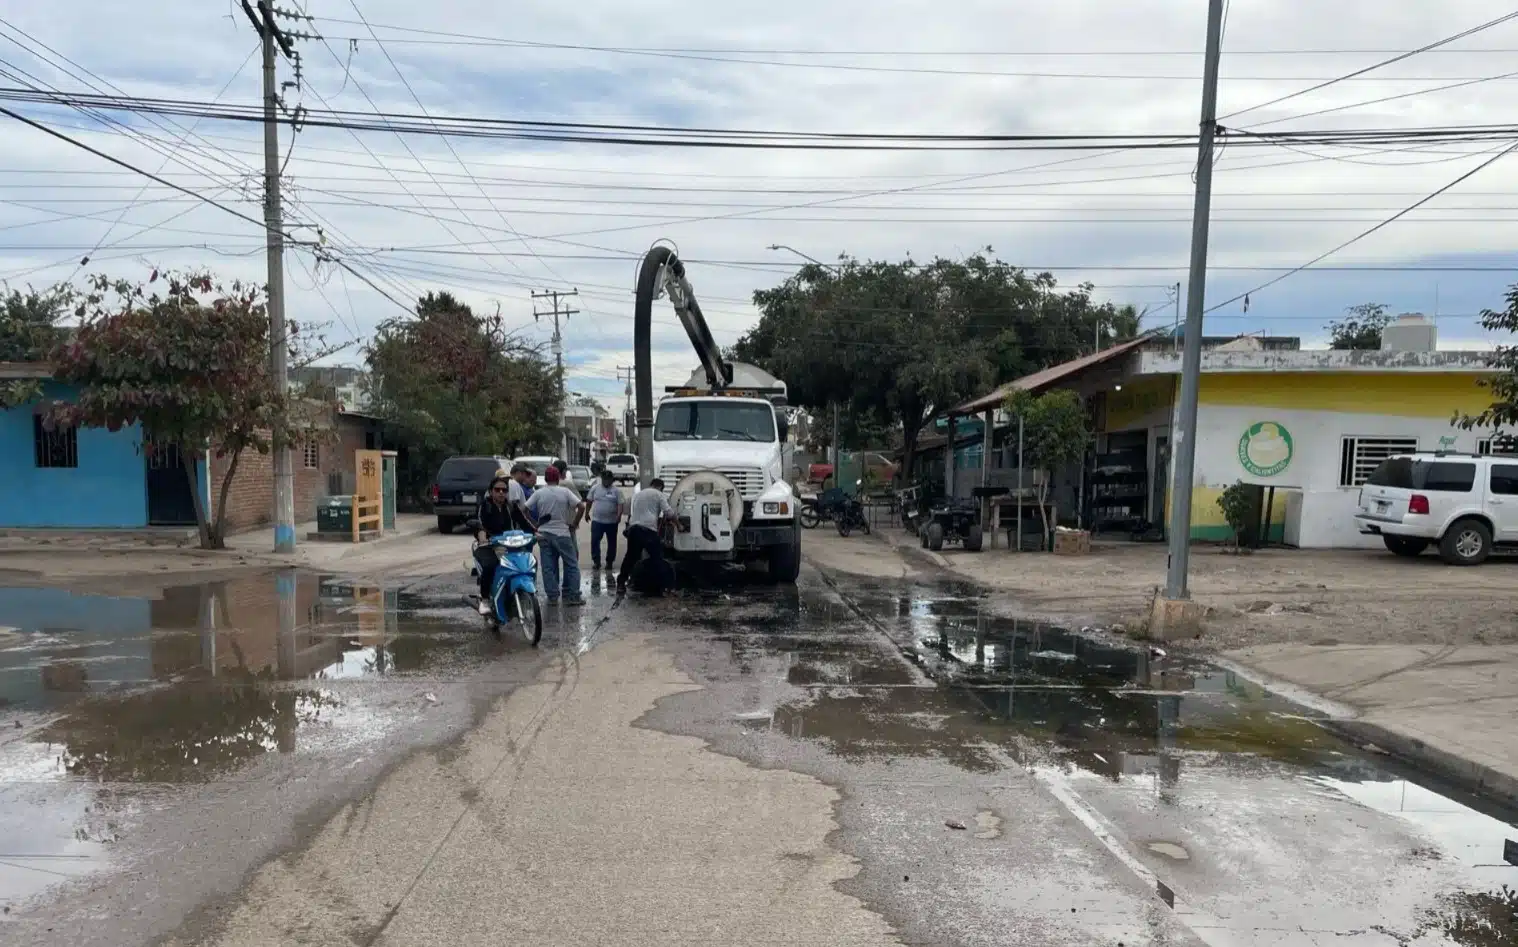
pixel 557 510
pixel 648 510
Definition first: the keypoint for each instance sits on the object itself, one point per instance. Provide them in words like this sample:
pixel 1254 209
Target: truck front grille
pixel 748 480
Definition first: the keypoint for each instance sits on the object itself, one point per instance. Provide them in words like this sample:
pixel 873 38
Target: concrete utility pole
pixel 1183 439
pixel 625 375
pixel 275 42
pixel 558 349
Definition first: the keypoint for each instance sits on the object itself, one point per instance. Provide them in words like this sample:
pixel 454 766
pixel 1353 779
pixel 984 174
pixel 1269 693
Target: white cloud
pixel 1036 216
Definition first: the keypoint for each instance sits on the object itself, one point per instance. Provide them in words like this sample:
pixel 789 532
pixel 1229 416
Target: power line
pixel 1363 234
pixel 1498 21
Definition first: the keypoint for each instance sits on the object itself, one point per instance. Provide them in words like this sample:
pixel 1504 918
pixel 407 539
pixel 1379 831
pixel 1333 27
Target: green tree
pixel 896 344
pixel 188 359
pixel 448 382
pixel 1054 435
pixel 1360 328
pixel 29 332
pixel 1502 414
pixel 1236 506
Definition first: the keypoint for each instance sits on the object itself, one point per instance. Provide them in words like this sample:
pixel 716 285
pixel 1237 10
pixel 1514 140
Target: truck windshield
pixel 715 421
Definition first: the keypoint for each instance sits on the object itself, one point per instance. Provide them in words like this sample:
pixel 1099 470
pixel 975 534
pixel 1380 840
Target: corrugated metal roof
pixel 1043 379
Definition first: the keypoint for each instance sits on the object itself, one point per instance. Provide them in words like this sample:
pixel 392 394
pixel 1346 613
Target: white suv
pixel 1466 503
pixel 624 468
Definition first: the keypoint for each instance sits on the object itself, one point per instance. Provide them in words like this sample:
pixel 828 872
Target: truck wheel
pixel 1467 543
pixel 934 537
pixel 1405 545
pixel 785 561
pixel 445 525
pixel 974 538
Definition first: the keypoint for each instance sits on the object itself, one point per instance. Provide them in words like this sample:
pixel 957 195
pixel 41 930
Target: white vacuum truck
pixel 719 442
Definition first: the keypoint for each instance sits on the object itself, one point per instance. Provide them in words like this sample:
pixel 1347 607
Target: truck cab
pixel 723 456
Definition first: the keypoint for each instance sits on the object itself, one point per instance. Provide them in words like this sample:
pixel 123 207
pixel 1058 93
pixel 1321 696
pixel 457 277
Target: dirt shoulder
pixel 1317 597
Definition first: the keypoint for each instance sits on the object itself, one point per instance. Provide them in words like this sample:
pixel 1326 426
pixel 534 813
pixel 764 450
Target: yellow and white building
pixel 1307 426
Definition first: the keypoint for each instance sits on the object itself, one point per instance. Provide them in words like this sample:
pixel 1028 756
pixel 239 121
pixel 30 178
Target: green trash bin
pixel 335 515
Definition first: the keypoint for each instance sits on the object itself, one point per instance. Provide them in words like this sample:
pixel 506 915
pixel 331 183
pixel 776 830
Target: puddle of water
pixel 1021 693
pixel 61 646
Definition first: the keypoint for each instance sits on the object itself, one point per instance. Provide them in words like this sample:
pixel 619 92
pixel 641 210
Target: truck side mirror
pixel 784 425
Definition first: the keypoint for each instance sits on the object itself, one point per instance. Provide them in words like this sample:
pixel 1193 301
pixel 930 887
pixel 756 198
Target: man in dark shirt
pixel 497 515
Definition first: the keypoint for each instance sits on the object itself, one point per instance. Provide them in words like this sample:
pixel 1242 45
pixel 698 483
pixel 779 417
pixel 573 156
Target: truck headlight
pixel 777 509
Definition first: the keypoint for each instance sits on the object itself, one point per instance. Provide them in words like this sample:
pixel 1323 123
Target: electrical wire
pixel 1366 233
pixel 1489 24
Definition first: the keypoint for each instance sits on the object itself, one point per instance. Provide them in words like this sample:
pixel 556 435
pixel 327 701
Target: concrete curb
pixel 1475 777
pixel 1344 721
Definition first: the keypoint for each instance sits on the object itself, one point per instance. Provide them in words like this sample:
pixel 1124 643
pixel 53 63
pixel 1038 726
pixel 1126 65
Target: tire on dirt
pixel 1466 543
pixel 446 524
pixel 1408 546
pixel 934 536
pixel 974 538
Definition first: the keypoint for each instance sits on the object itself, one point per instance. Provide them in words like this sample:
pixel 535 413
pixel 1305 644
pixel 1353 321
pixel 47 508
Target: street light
pixel 804 256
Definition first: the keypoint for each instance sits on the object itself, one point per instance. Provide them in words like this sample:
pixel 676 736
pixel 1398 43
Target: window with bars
pixel 1504 446
pixel 1361 455
pixel 313 456
pixel 58 447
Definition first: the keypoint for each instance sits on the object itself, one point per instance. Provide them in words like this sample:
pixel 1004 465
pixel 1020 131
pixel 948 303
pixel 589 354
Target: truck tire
pixel 974 538
pixel 934 536
pixel 445 524
pixel 1405 545
pixel 785 560
pixel 1467 543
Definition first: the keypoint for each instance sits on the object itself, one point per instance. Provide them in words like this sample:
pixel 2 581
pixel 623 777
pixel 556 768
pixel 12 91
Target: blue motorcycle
pixel 514 591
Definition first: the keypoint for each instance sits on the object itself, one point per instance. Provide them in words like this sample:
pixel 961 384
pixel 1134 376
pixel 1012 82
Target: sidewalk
pixel 1447 708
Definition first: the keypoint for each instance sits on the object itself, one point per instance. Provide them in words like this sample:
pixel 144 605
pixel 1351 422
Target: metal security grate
pixel 1362 455
pixel 748 480
pixel 55 447
pixel 1504 446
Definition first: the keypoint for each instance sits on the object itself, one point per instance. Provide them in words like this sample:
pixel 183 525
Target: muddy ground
pixel 1269 597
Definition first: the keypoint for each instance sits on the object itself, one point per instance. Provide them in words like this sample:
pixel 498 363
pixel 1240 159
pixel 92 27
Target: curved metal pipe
pixel 643 376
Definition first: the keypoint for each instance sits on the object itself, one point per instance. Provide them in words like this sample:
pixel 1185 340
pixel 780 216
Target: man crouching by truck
pixel 648 511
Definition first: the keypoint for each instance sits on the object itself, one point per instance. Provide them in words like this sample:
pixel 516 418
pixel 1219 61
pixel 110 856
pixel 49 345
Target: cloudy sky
pixel 494 220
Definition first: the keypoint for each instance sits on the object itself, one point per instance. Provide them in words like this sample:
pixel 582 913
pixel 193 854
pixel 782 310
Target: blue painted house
pixel 85 478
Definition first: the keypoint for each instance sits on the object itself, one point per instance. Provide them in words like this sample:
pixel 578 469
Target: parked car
pixel 1466 504
pixel 581 478
pixel 460 485
pixel 623 467
pixel 537 465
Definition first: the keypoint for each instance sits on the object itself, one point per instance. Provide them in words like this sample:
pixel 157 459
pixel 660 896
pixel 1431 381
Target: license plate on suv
pixel 469 498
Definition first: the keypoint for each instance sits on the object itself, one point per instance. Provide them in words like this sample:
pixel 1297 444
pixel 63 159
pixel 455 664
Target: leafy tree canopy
pixel 896 343
pixel 186 357
pixel 1502 413
pixel 450 382
pixel 1360 328
pixel 28 333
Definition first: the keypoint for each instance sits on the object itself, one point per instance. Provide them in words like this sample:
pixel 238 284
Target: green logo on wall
pixel 1265 449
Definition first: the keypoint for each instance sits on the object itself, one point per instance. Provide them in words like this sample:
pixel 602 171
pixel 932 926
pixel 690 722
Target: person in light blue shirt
pixel 605 513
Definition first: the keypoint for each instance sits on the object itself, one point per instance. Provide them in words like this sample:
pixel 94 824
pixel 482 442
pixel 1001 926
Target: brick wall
pixel 250 499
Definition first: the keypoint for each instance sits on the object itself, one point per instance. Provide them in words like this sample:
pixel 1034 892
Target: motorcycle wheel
pixel 809 517
pixel 843 525
pixel 529 618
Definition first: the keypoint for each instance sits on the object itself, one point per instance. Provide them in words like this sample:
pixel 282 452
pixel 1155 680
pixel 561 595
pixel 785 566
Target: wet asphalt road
pixel 1000 782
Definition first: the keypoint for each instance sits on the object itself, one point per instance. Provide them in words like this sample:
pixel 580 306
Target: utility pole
pixel 1175 336
pixel 837 448
pixel 276 41
pixel 625 375
pixel 1183 439
pixel 558 350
